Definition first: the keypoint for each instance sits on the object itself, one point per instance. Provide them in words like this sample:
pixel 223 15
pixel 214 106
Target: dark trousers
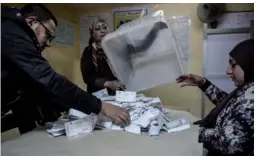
pixel 22 116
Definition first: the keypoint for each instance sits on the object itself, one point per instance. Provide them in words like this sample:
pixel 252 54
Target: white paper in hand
pixel 125 96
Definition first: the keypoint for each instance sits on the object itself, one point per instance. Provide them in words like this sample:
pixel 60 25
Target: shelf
pixel 228 31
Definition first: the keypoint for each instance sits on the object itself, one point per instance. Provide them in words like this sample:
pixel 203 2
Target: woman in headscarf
pixel 94 63
pixel 229 128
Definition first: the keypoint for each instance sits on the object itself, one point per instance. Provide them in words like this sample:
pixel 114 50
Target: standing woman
pixel 229 128
pixel 94 63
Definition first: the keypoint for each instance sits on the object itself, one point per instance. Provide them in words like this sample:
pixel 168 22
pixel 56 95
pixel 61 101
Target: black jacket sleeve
pixel 22 52
pixel 88 70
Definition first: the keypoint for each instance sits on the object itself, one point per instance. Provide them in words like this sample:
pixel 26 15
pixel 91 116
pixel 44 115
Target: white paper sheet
pixel 107 125
pixel 116 127
pixel 177 125
pixel 78 127
pixel 125 96
pixel 76 113
pixel 55 130
pixel 146 115
pixel 101 93
pixel 108 98
pixel 154 130
pixel 56 134
pixel 180 128
pixel 133 129
pixel 154 102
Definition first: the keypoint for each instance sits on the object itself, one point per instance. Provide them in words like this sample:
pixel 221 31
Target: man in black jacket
pixel 27 78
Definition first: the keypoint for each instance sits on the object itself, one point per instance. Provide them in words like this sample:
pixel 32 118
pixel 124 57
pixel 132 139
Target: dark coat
pixel 27 74
pixel 95 79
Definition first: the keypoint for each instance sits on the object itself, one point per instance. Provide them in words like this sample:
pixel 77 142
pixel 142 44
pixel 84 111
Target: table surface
pixel 109 143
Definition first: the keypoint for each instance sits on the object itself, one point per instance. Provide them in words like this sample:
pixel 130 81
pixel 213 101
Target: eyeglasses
pixel 50 35
pixel 103 27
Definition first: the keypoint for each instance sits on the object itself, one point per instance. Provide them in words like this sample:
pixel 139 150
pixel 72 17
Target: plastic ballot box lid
pixel 143 53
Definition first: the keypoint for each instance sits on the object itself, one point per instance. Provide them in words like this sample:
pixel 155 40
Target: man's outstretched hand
pixel 119 115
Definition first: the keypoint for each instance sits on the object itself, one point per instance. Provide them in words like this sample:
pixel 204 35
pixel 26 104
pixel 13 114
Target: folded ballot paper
pixel 147 116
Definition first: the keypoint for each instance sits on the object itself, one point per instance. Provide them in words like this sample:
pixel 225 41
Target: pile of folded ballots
pixel 146 114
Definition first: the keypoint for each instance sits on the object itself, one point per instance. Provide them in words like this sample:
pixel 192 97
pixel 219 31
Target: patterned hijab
pixel 97 51
pixel 243 53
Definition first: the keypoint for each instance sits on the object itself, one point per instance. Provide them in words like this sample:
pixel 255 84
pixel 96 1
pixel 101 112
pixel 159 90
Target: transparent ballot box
pixel 143 53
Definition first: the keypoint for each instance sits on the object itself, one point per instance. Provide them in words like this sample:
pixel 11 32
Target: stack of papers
pixel 146 115
pixel 81 126
pixel 57 128
pixel 75 124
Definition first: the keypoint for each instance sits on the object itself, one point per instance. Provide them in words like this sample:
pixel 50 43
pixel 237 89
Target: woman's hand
pixel 114 85
pixel 190 80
